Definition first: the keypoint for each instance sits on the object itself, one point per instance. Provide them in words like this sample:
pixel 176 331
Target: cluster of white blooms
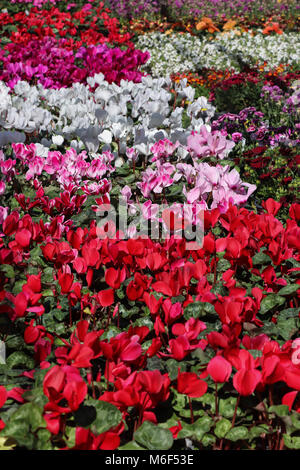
pixel 177 53
pixel 102 114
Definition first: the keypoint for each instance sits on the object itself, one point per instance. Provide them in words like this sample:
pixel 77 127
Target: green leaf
pixel 294 262
pixel 257 431
pixel 172 367
pixel 222 427
pixel 199 309
pixel 14 342
pixel 18 359
pixel 269 302
pixel 289 313
pixel 60 314
pixel 51 191
pixel 286 327
pixel 10 27
pixel 208 399
pixel 36 396
pixel 129 179
pixel 279 410
pixel 219 289
pixel 153 437
pixel 23 422
pixel 127 313
pixel 269 329
pixel 175 190
pixel 255 353
pixel 186 431
pixel 197 430
pixel 223 264
pixel 107 416
pixel 120 293
pixel 47 293
pixel 8 271
pixel 202 426
pixel 292 442
pixel 237 433
pixel 18 285
pixel 71 435
pixel 208 440
pixel 123 170
pixel 227 407
pixel 155 363
pixel 295 419
pixel 261 259
pixel 35 252
pixel 5 40
pixel 110 332
pixel 143 321
pixel 289 289
pixel 44 440
pixel 227 162
pixel 34 415
pixel 132 445
pixel 19 433
pixel 200 355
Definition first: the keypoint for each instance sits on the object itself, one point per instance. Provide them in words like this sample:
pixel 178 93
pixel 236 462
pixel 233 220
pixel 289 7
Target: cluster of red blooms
pixel 257 159
pixel 84 27
pixel 282 77
pixel 157 274
pixel 225 79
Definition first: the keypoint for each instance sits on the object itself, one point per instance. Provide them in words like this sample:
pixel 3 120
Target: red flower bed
pixel 96 316
pixel 88 26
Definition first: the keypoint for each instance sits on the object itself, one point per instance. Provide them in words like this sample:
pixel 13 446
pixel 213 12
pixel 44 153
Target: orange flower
pixel 272 27
pixel 229 25
pixel 206 23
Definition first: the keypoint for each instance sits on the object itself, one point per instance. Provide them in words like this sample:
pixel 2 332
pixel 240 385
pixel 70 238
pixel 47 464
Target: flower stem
pixel 70 316
pixel 191 410
pixel 235 410
pixel 216 399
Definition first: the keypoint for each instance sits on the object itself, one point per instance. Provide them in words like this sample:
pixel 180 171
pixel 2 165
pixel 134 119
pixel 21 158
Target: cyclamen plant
pixel 50 63
pixel 201 182
pixel 124 383
pixel 89 24
pixel 109 114
pixel 112 338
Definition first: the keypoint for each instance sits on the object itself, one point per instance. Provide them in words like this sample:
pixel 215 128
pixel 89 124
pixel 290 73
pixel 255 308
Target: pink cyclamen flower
pixel 2 187
pixel 206 143
pixel 3 214
pixel 219 369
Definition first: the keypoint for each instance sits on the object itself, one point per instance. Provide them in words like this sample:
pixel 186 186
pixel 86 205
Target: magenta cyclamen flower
pixel 163 149
pixel 49 62
pixel 68 168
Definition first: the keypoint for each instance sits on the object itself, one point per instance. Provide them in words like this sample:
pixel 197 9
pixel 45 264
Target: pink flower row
pixel 53 64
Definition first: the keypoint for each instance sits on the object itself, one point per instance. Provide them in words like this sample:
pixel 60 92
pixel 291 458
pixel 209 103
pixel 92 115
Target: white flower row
pixel 127 115
pixel 177 53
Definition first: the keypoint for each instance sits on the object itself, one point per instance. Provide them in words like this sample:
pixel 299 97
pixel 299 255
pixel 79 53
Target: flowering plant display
pixel 149 228
pixel 52 64
pixel 218 11
pixel 89 24
pixel 180 51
